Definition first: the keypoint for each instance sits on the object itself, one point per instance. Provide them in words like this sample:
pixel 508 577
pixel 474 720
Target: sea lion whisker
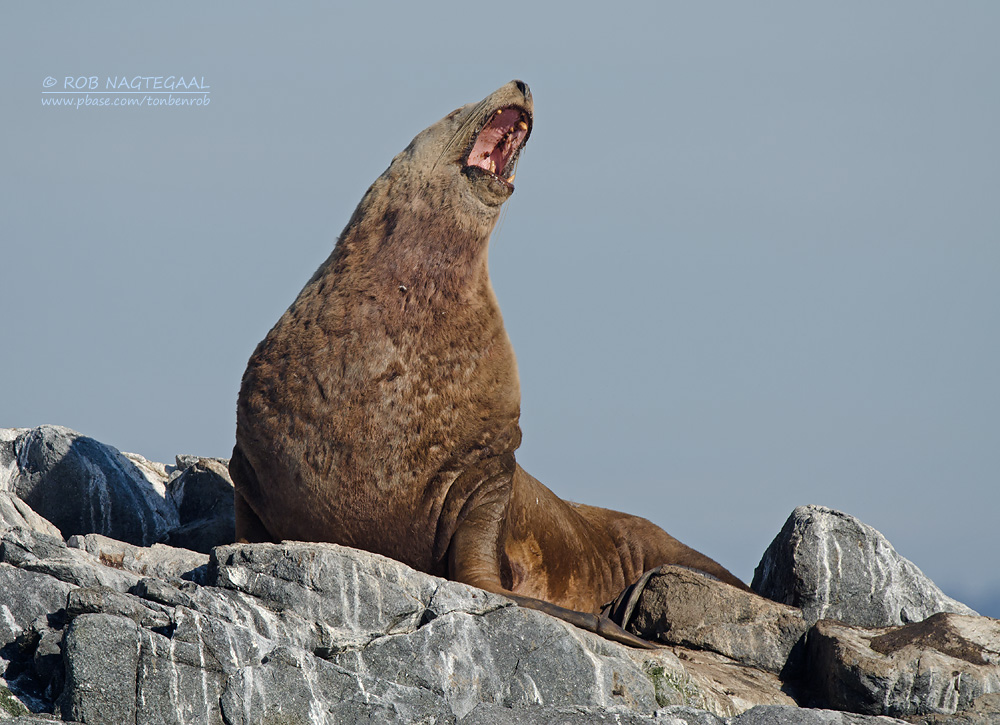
pixel 463 130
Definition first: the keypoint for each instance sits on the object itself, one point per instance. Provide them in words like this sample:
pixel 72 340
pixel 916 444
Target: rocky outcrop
pixel 326 627
pixel 681 607
pixel 941 665
pixel 98 630
pixel 79 484
pixel 202 493
pixel 83 486
pixel 833 566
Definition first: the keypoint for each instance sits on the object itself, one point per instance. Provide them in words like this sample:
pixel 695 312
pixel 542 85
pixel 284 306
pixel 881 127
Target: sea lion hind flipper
pixel 597 623
pixel 621 609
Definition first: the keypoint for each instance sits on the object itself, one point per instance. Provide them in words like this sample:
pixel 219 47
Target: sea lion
pixel 381 411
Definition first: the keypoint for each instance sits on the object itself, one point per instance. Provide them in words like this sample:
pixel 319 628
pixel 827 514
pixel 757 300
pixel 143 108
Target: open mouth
pixel 496 147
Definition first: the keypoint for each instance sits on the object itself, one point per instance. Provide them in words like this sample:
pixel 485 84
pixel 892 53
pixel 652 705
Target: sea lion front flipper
pixel 249 528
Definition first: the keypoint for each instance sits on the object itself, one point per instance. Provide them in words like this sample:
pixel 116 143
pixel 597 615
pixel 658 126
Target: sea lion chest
pixel 375 397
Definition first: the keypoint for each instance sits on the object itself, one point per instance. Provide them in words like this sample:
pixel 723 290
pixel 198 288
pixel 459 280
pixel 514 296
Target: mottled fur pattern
pixel 381 411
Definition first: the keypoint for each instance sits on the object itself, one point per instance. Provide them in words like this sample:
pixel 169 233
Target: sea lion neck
pixel 418 251
pixel 426 221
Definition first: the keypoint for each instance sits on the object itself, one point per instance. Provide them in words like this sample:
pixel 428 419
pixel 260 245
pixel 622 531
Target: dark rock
pixel 203 497
pixel 27 600
pixel 83 486
pixel 939 666
pixel 833 566
pixel 681 607
pixel 101 688
pixel 26 595
pixel 47 660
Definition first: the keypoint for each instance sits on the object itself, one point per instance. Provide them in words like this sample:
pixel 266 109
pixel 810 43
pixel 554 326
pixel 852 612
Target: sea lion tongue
pixel 497 145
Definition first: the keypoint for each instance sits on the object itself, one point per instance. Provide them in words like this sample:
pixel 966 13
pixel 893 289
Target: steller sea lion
pixel 381 411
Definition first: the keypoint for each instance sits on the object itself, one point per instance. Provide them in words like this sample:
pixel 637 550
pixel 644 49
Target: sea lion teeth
pixel 493 166
pixel 522 125
pixel 510 179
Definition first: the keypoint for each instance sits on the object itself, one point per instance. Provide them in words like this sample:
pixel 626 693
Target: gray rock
pixel 159 560
pixel 785 715
pixel 203 497
pixel 26 596
pixel 184 461
pixel 681 607
pixel 83 486
pixel 985 710
pixel 29 603
pixel 491 714
pixel 9 469
pixel 941 665
pixel 248 653
pixel 290 687
pixel 356 595
pixel 511 657
pixel 369 613
pixel 31 551
pixel 16 514
pixel 179 679
pixel 101 688
pixel 833 566
pixel 101 600
pixel 680 715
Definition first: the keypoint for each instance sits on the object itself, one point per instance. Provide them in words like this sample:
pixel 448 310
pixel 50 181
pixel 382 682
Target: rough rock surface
pixel 327 628
pixel 98 630
pixel 784 715
pixel 203 496
pixel 833 566
pixel 941 665
pixel 681 607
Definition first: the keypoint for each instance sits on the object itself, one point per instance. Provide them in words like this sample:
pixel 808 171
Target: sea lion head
pixel 467 159
pixel 430 214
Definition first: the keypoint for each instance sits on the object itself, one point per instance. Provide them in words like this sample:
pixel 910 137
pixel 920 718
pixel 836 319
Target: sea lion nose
pixel 523 87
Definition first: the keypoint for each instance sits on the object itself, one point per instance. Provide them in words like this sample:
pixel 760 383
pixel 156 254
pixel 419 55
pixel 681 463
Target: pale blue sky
pixel 752 260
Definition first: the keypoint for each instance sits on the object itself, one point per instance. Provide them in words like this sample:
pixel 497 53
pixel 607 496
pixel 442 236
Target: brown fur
pixel 381 411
